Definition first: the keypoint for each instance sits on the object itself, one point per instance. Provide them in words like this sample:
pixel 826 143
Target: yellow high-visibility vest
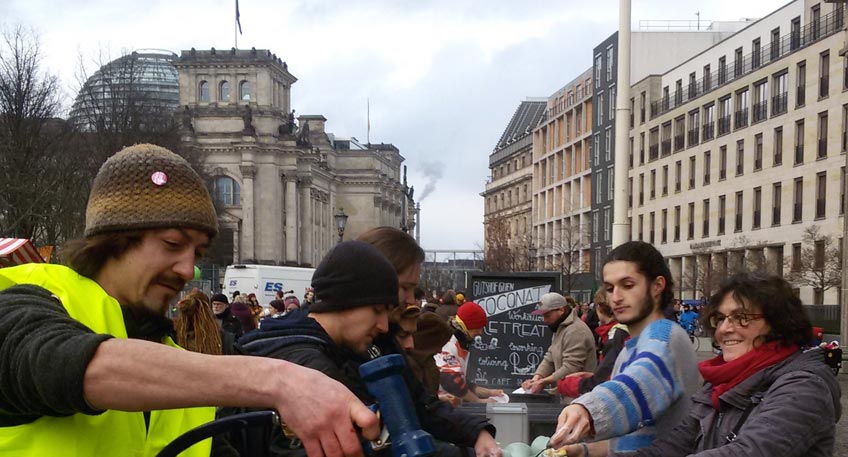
pixel 113 433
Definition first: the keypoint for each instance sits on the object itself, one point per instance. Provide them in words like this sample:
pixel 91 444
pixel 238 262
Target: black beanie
pixel 353 274
pixel 220 298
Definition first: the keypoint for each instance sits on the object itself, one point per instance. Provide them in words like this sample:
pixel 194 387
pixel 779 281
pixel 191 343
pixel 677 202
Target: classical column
pixel 291 217
pixel 236 250
pixel 306 223
pixel 248 254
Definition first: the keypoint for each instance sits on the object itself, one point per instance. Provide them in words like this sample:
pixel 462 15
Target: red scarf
pixel 603 331
pixel 726 375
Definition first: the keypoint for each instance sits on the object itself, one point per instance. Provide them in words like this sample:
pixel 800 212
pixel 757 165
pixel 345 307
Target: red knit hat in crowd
pixel 472 315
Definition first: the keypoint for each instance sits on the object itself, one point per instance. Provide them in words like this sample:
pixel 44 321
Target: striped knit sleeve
pixel 644 386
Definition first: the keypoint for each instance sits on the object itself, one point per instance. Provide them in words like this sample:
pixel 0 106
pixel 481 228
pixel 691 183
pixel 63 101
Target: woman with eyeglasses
pixel 768 393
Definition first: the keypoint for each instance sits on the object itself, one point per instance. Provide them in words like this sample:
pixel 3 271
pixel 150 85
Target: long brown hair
pixel 196 327
pixel 87 256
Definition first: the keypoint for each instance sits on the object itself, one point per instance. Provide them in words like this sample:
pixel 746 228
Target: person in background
pixel 448 307
pixel 241 310
pixel 227 321
pixel 611 338
pixel 460 298
pixel 572 348
pixel 432 334
pixel 256 309
pixel 291 302
pixel 452 361
pixel 195 325
pixel 768 393
pixel 308 299
pixel 656 372
pixel 419 297
pixel 689 320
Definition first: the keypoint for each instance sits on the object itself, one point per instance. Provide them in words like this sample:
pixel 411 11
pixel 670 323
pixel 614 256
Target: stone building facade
pixel 279 179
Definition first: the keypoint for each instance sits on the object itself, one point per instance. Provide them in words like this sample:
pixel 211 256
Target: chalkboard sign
pixel 514 341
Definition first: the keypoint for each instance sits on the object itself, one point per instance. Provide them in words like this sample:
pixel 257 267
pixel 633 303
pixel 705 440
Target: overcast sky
pixel 443 77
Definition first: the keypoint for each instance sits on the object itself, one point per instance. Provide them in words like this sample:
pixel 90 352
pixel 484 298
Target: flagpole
pixel 368 136
pixel 235 25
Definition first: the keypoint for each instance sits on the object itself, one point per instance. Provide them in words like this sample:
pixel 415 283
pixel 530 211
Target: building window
pixel 652 226
pixel 799 142
pixel 692 172
pixel 722 208
pixel 724 116
pixel 677 223
pixel 610 60
pixel 244 91
pixel 223 91
pixel 610 183
pixel 741 114
pixel 641 148
pixel 824 74
pixel 204 91
pixel 844 140
pixel 722 70
pixel 679 133
pixel 821 194
pixel 722 163
pixel 776 190
pixel 706 229
pixel 778 146
pixel 758 202
pixel 641 227
pixel 796 256
pixel 641 189
pixel 845 72
pixel 795 34
pixel 678 168
pixel 758 152
pixel 654 146
pixel 630 192
pixel 666 139
pixel 709 122
pixel 738 63
pixel 612 103
pixel 691 226
pixel 607 223
pixel 598 69
pixel 665 180
pixel 608 144
pixel 226 191
pixel 664 225
pixel 694 128
pixel 761 101
pixel 756 56
pixel 798 203
pixel 775 44
pixel 707 167
pixel 653 184
pixel 600 109
pixel 740 157
pixel 642 105
pixel 595 226
pixel 779 98
pixel 821 150
pixel 737 225
pixel 801 84
pixel 842 192
pixel 599 186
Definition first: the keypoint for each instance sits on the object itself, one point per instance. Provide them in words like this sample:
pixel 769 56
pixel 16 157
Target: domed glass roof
pixel 130 91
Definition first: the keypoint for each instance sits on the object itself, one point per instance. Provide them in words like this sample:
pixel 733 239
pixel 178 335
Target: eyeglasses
pixel 737 319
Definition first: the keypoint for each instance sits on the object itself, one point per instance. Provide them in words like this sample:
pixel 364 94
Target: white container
pixel 510 419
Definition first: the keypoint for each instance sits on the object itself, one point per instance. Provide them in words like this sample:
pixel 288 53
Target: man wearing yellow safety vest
pixel 87 363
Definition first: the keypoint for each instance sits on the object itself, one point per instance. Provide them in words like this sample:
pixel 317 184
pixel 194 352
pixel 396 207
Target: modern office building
pixel 562 185
pixel 655 48
pixel 739 151
pixel 280 181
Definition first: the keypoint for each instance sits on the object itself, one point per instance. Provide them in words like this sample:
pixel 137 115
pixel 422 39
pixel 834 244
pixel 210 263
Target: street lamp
pixel 341 221
pixel 532 250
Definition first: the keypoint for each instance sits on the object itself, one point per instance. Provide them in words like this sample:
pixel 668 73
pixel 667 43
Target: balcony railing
pixel 775 215
pixel 666 147
pixel 654 152
pixel 760 111
pixel 821 153
pixel 709 131
pixel 692 137
pixel 679 142
pixel 796 212
pixel 779 104
pixel 806 36
pixel 724 125
pixel 799 154
pixel 740 119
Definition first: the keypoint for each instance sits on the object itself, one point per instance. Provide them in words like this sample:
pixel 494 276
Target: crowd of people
pixel 90 364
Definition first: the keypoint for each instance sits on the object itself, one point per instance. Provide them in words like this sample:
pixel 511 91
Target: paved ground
pixel 841 448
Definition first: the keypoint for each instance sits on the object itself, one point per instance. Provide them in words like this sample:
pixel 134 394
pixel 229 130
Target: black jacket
pixel 301 340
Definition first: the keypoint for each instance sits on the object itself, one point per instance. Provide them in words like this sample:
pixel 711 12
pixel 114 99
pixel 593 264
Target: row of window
pixel 504 199
pixel 723 226
pixel 223 94
pixel 511 165
pixel 777 157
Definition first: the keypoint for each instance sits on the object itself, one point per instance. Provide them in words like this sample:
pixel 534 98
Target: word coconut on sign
pixel 514 341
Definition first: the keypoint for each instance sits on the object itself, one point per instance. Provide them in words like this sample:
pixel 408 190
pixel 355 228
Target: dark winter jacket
pixel 796 407
pixel 228 322
pixel 301 340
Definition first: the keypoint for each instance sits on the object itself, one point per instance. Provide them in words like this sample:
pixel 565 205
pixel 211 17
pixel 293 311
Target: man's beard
pixel 646 307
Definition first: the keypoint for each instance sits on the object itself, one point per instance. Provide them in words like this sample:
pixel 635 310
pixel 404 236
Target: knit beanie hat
pixel 472 315
pixel 278 305
pixel 353 274
pixel 147 187
pixel 219 297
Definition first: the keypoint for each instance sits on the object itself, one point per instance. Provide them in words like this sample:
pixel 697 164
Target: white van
pixel 266 280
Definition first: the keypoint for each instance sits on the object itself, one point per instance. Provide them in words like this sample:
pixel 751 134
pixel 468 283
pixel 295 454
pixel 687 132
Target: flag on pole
pixel 238 17
pixel 368 101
